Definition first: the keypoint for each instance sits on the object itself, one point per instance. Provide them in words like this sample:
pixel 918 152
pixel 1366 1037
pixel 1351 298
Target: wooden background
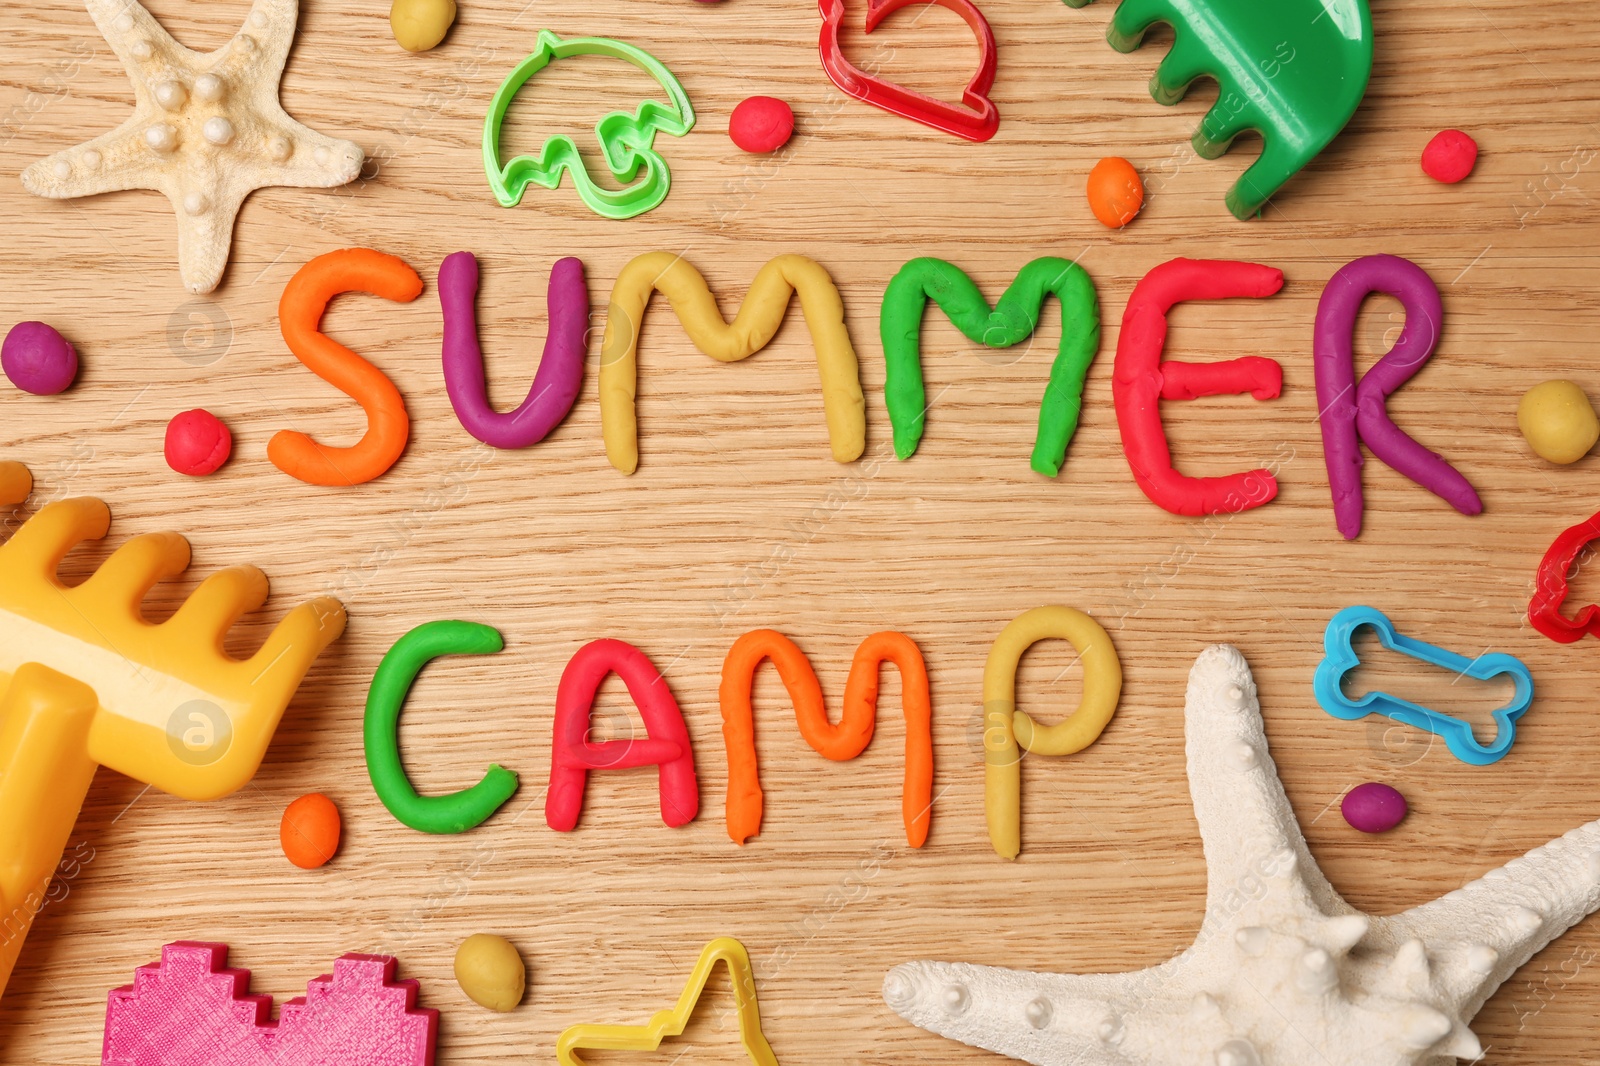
pixel 738 518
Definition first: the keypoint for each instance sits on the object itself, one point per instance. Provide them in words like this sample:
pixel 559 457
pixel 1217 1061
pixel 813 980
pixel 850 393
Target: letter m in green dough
pixel 1011 322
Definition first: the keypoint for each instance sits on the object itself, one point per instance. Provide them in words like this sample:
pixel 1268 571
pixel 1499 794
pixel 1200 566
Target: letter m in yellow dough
pixel 758 319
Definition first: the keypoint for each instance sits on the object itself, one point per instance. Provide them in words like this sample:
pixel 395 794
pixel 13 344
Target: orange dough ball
pixel 1116 192
pixel 310 831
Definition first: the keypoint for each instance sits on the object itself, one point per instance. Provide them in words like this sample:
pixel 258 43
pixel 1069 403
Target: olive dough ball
pixel 1558 421
pixel 490 971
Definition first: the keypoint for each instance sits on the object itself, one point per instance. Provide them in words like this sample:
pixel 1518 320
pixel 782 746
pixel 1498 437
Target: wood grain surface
pixel 739 518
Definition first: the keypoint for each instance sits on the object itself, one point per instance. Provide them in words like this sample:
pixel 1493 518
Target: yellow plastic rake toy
pixel 87 681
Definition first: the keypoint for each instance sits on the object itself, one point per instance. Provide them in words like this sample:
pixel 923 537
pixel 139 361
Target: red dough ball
pixel 761 124
pixel 1449 157
pixel 1116 192
pixel 197 443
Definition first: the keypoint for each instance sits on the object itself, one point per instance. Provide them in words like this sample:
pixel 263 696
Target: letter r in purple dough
pixel 1352 413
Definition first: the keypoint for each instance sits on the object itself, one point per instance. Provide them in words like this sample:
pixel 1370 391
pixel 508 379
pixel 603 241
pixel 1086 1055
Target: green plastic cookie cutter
pixel 626 140
pixel 1292 70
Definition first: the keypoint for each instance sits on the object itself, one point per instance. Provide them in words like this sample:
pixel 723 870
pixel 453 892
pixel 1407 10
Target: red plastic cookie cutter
pixel 1550 591
pixel 976 118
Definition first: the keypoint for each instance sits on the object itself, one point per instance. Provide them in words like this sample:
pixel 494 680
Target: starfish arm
pixel 1044 1018
pixel 206 214
pixel 305 158
pixel 1248 828
pixel 271 24
pixel 125 24
pixel 111 162
pixel 1498 922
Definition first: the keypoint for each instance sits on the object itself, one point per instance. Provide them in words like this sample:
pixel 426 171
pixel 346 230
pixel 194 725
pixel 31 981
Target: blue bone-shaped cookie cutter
pixel 1457 734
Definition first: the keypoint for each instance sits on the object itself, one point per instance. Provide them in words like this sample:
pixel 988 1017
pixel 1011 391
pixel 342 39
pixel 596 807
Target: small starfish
pixel 207 130
pixel 1284 972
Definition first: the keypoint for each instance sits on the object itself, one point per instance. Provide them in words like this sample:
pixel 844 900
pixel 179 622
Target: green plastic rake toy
pixel 1292 70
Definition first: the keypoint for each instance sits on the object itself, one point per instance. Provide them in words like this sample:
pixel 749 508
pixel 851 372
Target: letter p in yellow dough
pixel 1008 732
pixel 757 321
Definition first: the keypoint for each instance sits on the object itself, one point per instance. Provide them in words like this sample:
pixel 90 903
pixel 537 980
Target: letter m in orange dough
pixel 840 742
pixel 1142 379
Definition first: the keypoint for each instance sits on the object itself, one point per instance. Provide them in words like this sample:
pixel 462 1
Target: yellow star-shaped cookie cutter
pixel 665 1023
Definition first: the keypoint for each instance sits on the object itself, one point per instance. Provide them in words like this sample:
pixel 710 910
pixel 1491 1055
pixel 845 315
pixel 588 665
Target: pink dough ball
pixel 761 124
pixel 1374 807
pixel 37 359
pixel 197 443
pixel 1450 156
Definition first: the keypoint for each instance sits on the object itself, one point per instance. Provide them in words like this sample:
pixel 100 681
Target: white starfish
pixel 207 130
pixel 1284 972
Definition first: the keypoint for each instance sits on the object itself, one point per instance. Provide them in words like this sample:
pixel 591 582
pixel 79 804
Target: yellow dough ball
pixel 1558 421
pixel 421 24
pixel 490 971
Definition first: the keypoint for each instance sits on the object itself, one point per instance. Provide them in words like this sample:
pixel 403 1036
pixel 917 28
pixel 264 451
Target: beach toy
pixel 840 742
pixel 490 971
pixel 672 1022
pixel 560 375
pixel 1558 421
pixel 665 745
pixel 975 118
pixel 459 811
pixel 1351 413
pixel 627 141
pixel 300 311
pixel 1012 321
pixel 761 124
pixel 1373 807
pixel 1550 590
pixel 197 443
pixel 309 832
pixel 206 130
pixel 1457 733
pixel 190 1009
pixel 1295 75
pixel 1450 156
pixel 1115 191
pixel 38 359
pixel 757 321
pixel 88 682
pixel 1007 732
pixel 1142 379
pixel 419 25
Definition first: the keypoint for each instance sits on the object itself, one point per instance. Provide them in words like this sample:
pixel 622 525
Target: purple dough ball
pixel 1374 808
pixel 37 359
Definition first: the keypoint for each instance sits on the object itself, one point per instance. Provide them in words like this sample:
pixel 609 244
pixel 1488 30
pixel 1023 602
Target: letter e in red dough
pixel 1143 379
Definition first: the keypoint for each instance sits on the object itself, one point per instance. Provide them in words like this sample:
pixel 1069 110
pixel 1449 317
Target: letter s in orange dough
pixel 300 312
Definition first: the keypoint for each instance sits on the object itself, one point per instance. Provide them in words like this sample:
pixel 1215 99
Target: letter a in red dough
pixel 665 744
pixel 1142 380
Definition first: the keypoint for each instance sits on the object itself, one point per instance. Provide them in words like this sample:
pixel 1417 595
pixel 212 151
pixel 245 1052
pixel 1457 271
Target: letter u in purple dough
pixel 1352 413
pixel 560 375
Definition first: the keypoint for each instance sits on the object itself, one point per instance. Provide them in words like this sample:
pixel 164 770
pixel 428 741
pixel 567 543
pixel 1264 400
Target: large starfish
pixel 1284 972
pixel 207 130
